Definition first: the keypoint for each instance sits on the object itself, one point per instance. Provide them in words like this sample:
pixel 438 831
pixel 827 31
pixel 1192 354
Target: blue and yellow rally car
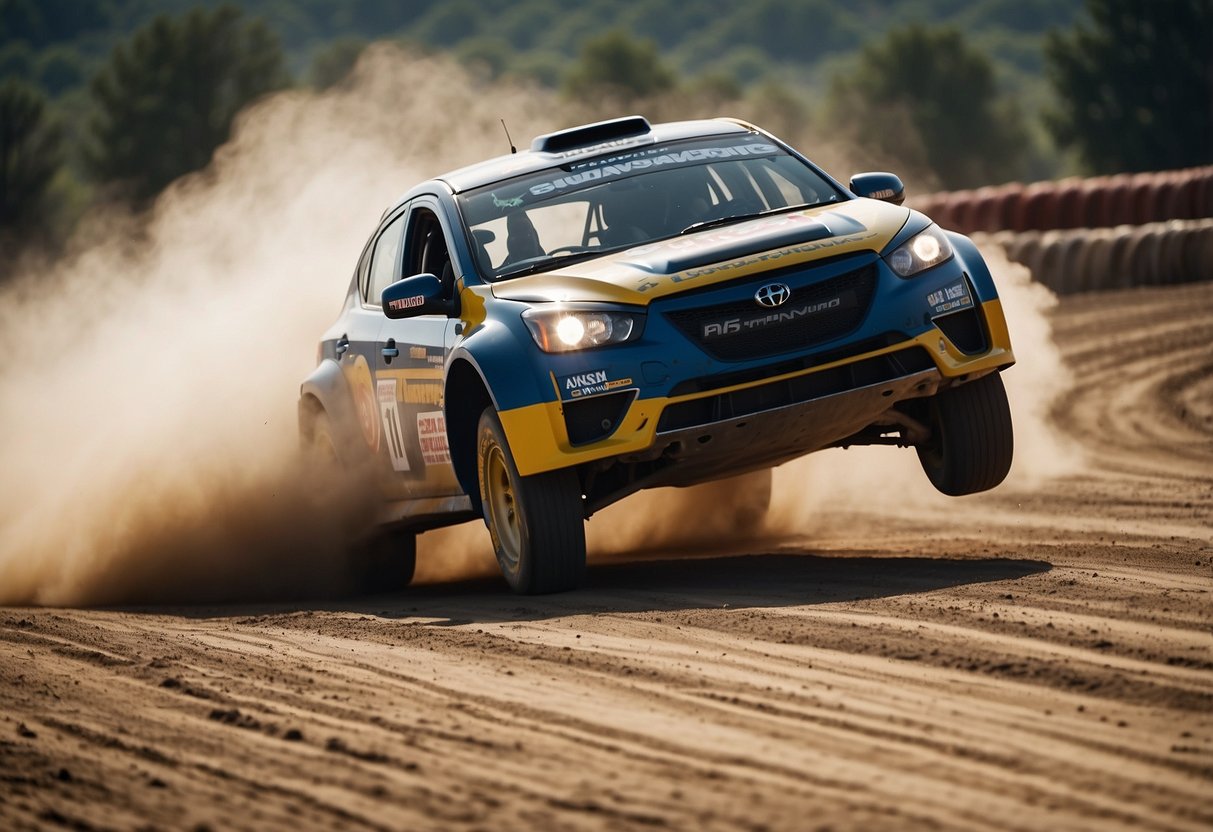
pixel 627 305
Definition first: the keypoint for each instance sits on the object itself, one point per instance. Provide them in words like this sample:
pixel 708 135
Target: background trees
pixel 925 97
pixel 30 154
pixel 1135 86
pixel 618 65
pixel 132 94
pixel 166 99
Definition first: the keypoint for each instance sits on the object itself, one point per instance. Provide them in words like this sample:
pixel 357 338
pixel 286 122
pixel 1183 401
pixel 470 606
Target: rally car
pixel 627 305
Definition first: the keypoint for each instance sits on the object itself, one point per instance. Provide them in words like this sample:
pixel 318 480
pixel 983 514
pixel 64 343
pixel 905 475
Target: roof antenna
pixel 507 137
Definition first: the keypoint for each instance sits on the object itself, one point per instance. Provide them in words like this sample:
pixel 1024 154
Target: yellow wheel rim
pixel 504 509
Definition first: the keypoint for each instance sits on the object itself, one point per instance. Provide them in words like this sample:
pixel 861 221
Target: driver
pixel 521 240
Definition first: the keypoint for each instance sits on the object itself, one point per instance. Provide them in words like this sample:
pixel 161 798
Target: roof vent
pixel 591 134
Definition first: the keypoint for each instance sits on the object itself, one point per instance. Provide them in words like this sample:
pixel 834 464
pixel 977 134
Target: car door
pixel 358 345
pixel 409 361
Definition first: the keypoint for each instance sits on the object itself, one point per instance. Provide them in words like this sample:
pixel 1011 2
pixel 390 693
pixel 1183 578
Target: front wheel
pixel 537 523
pixel 972 440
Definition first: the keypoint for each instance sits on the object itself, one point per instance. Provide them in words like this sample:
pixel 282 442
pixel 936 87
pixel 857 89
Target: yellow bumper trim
pixel 540 442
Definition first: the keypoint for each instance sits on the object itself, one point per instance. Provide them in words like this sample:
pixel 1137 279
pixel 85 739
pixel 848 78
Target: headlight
pixel 928 248
pixel 565 330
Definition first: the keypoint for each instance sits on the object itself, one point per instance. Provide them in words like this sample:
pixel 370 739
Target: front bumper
pixel 540 441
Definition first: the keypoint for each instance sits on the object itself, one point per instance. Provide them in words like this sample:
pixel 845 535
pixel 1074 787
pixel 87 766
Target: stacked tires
pixel 1080 235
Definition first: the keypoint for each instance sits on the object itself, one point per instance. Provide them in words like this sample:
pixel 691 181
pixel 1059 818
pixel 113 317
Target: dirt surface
pixel 1035 658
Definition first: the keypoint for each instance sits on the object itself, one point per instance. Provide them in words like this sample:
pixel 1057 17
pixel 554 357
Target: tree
pixel 1135 87
pixel 924 98
pixel 618 65
pixel 167 97
pixel 333 63
pixel 30 155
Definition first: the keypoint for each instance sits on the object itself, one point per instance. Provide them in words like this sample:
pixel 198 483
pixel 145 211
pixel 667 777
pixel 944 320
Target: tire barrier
pixel 1094 259
pixel 1099 202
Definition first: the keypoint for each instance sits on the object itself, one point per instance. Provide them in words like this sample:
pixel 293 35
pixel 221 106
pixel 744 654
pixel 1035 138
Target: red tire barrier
pixel 1083 260
pixel 1071 205
pixel 1098 202
pixel 1005 204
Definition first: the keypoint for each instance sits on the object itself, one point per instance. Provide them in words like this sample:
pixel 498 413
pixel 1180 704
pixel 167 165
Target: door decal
pixel 431 431
pixel 393 433
pixel 358 375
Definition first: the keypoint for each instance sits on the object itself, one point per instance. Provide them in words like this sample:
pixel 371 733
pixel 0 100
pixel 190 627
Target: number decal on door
pixel 385 391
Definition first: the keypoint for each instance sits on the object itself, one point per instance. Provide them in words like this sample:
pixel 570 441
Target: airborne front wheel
pixel 537 523
pixel 972 440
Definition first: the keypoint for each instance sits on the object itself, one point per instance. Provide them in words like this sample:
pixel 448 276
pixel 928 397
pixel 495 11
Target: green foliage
pixel 490 55
pixel 167 97
pixel 59 69
pixel 17 60
pixel 40 22
pixel 923 97
pixel 1136 85
pixel 30 155
pixel 616 64
pixel 332 64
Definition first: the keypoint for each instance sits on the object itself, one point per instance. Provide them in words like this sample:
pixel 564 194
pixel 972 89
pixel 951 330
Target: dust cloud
pixel 147 406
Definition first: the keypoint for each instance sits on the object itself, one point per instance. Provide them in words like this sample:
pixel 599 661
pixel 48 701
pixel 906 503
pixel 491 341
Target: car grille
pixel 743 330
pixel 790 391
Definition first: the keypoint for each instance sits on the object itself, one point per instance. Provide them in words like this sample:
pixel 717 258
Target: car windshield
pixel 586 208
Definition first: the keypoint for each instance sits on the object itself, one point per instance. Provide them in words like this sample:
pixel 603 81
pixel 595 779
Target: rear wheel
pixel 383 562
pixel 537 523
pixel 972 440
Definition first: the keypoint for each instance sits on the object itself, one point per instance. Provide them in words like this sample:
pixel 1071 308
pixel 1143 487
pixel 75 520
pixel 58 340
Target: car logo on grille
pixel 773 294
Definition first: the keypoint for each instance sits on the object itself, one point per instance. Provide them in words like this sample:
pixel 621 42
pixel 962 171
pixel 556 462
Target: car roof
pixel 638 132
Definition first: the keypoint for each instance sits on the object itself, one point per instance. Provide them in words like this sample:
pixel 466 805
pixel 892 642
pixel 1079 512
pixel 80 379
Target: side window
pixel 364 271
pixel 383 259
pixel 426 246
pixel 425 249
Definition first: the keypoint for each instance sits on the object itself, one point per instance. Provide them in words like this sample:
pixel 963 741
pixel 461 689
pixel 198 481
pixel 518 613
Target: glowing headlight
pixel 570 330
pixel 565 330
pixel 928 248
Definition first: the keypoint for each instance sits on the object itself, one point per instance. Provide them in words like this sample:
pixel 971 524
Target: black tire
pixel 972 440
pixel 383 562
pixel 537 523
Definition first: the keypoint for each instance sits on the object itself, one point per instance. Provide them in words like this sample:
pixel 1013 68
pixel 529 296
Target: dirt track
pixel 1049 665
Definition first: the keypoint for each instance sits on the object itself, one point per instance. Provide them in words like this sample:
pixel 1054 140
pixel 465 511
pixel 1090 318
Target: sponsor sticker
pixel 784 315
pixel 359 376
pixel 422 392
pixel 646 159
pixel 589 384
pixel 777 254
pixel 950 298
pixel 431 434
pixel 406 303
pixel 512 202
pixel 389 414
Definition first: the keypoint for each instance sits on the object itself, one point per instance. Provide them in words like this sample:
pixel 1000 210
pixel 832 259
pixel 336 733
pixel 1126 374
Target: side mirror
pixel 420 294
pixel 877 185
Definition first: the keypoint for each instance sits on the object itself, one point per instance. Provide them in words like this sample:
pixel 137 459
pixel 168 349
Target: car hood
pixel 641 274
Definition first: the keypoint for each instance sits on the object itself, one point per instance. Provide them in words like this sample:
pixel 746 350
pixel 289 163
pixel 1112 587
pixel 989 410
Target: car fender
pixel 974 265
pixel 504 354
pixel 328 389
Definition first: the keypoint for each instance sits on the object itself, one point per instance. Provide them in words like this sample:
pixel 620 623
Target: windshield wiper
pixel 732 218
pixel 551 262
